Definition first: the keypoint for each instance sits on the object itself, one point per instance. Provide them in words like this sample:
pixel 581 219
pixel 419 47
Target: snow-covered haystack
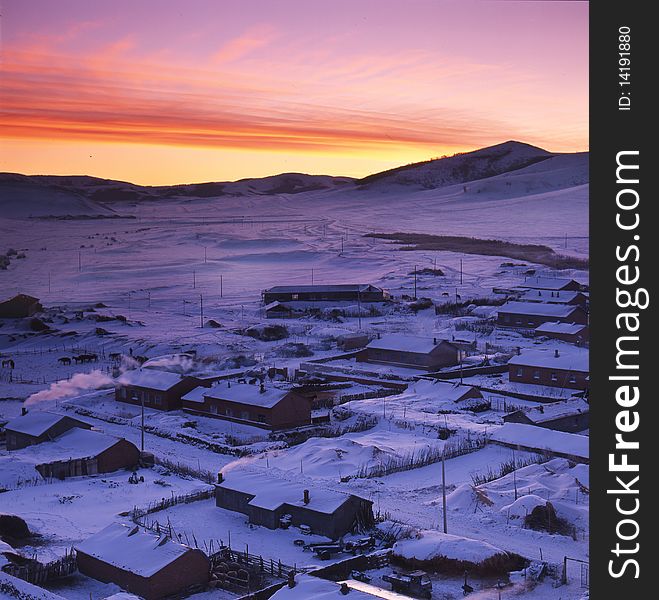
pixel 437 551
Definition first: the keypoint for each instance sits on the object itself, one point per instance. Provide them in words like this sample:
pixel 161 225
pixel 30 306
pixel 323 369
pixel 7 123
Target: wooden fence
pixel 39 573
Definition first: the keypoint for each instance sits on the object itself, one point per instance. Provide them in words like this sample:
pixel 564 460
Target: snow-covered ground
pixel 135 286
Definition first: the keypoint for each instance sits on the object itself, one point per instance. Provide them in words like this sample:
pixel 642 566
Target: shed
pixel 161 390
pixel 570 416
pixel 38 426
pixel 566 332
pixel 529 315
pixel 81 452
pixel 140 562
pixel 266 500
pixel 534 439
pixel 566 369
pixel 277 310
pixel 411 352
pixel 20 306
pixel 267 407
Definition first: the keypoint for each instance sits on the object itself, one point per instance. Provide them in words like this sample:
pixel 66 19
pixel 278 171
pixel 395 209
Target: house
pixel 82 452
pixel 445 392
pixel 161 390
pixel 267 407
pixel 570 416
pixel 411 352
pixel 529 315
pixel 566 332
pixel 38 426
pixel 352 341
pixel 551 283
pixel 20 306
pixel 266 501
pixel 362 292
pixel 142 563
pixel 545 441
pixel 555 297
pixel 277 310
pixel 554 369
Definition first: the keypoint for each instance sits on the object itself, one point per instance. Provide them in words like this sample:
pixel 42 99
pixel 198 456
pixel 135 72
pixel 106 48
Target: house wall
pixel 17 440
pixel 567 337
pixel 324 296
pixel 232 500
pixel 123 455
pixel 156 399
pixel 546 376
pixel 192 568
pixel 17 309
pixel 443 355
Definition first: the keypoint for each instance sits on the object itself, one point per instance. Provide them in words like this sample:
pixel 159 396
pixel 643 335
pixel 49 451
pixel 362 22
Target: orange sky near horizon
pixel 211 91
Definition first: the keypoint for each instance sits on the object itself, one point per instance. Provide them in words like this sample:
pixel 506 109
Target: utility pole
pixel 444 494
pixel 201 310
pixel 514 474
pixel 311 276
pixel 415 282
pixel 194 279
pixel 221 286
pixel 142 443
pixel 460 271
pixel 205 256
pixel 48 281
pixel 359 309
pixel 79 261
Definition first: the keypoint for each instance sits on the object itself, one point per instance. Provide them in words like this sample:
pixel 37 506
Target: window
pixel 214 410
pixel 157 399
pixel 506 318
pixel 520 372
pixel 572 379
pixel 229 412
pixel 244 415
pixel 554 377
pixel 12 440
pixel 261 418
pixel 536 374
pixel 295 296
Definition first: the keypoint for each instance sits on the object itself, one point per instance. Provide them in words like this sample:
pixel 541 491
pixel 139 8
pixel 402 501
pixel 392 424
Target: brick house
pixel 570 416
pixel 267 407
pixel 551 283
pixel 555 369
pixel 161 390
pixel 411 352
pixel 38 426
pixel 266 500
pixel 529 315
pixel 141 562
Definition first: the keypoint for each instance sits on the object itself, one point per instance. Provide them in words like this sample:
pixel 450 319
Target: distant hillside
pixel 460 168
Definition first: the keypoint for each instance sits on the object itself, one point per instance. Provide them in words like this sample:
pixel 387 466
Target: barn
pixel 566 332
pixel 81 452
pixel 161 390
pixel 360 292
pixel 570 416
pixel 411 352
pixel 551 283
pixel 38 426
pixel 529 315
pixel 555 369
pixel 266 500
pixel 142 563
pixel 266 407
pixel 20 306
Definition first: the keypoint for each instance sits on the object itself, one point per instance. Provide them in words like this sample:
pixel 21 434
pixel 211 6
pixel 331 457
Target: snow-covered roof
pixel 557 410
pixel 270 493
pixel 547 283
pixel 406 343
pixel 539 309
pixel 277 304
pixel 565 328
pixel 349 287
pixel 308 586
pixel 530 436
pixel 150 378
pixel 73 444
pixel 552 296
pixel 34 423
pixel 441 390
pixel 196 395
pixel 433 544
pixel 574 359
pixel 141 552
pixel 245 393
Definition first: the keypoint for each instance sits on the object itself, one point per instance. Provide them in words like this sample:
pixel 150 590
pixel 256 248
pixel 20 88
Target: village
pixel 413 440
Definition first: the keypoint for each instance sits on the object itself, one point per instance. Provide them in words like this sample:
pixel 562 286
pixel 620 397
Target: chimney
pixel 262 388
pixel 344 589
pixel 23 411
pixel 434 341
pixel 556 354
pixel 306 497
pixel 220 477
pixel 519 350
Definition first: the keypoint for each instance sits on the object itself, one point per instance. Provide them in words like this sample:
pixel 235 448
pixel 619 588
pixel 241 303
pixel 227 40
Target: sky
pixel 179 91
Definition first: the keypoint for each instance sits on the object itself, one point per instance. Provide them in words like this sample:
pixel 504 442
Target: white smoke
pixel 66 388
pixel 180 362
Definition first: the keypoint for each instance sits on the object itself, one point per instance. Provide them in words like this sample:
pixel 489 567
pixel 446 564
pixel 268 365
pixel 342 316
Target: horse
pixel 9 363
pixel 65 360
